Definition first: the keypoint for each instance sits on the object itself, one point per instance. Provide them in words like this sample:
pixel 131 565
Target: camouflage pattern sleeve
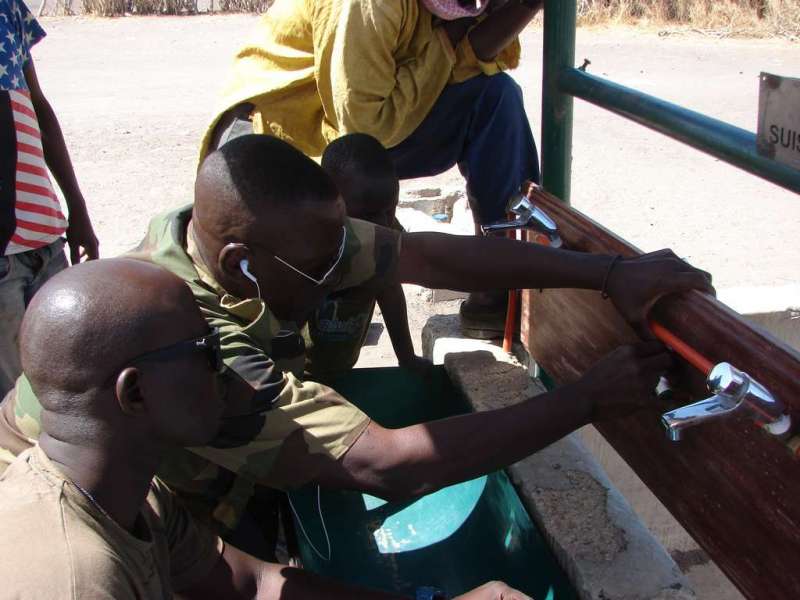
pixel 266 402
pixel 19 421
pixel 254 381
pixel 371 255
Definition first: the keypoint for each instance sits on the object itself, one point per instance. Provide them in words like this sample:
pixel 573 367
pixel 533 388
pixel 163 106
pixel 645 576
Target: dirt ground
pixel 134 96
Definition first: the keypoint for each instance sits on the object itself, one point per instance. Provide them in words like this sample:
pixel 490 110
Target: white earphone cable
pixel 244 265
pixel 322 520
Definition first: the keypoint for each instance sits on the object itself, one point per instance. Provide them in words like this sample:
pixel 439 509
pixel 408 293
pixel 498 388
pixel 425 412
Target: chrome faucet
pixel 528 216
pixel 733 391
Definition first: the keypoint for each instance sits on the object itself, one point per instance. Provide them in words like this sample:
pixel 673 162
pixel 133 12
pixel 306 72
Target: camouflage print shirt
pixel 336 331
pixel 217 481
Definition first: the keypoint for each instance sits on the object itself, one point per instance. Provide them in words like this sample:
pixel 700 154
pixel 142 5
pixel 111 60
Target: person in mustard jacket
pixel 424 77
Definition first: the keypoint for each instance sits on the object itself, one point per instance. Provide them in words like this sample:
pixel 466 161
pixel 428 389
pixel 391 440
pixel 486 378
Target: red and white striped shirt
pixel 39 220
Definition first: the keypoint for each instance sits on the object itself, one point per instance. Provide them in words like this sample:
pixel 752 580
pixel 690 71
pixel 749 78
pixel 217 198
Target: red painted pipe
pixel 511 320
pixel 511 307
pixel 684 350
pixel 698 361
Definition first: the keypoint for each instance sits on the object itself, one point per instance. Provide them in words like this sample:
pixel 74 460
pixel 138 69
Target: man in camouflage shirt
pixel 265 241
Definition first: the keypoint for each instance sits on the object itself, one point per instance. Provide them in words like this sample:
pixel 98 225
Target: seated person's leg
pixel 481 125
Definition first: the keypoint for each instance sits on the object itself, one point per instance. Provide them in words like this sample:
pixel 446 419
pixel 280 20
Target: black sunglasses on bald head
pixel 208 344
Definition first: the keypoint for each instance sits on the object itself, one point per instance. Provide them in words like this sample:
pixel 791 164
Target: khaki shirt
pixel 57 544
pixel 267 355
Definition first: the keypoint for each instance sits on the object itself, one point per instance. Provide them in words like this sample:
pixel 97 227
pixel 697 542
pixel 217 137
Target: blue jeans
pixel 481 126
pixel 21 276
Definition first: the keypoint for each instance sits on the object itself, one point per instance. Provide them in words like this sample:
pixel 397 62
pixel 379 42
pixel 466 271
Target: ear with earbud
pixel 244 265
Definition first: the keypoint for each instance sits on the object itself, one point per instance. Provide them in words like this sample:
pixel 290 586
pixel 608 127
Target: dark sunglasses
pixel 207 344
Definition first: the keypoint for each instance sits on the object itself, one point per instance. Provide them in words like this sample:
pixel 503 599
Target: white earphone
pixel 244 265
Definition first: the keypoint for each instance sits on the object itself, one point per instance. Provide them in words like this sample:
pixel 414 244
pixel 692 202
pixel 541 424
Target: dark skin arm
pixel 239 576
pixel 80 234
pixel 392 302
pixel 499 29
pixel 486 263
pixel 402 463
pixel 495 32
pixel 405 463
pixel 399 464
pixel 634 284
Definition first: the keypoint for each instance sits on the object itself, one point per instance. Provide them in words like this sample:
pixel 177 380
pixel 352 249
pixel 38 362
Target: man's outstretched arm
pixel 470 263
pixel 407 462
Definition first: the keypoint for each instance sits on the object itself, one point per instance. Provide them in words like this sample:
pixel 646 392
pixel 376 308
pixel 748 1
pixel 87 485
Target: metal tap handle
pixel 733 390
pixel 694 414
pixel 728 380
pixel 528 216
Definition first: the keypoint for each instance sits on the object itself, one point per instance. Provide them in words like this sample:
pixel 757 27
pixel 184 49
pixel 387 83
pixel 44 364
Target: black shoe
pixel 483 315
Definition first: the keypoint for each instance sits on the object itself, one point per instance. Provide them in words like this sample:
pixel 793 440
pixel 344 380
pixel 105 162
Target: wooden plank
pixel 734 488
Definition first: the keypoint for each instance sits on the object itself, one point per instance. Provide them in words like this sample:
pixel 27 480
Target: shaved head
pixel 125 368
pixel 87 321
pixel 253 184
pixel 258 198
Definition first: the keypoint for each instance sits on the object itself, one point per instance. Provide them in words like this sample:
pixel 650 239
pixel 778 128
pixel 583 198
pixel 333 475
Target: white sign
pixel 779 119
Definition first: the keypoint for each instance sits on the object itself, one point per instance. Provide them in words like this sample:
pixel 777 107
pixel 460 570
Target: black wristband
pixel 604 288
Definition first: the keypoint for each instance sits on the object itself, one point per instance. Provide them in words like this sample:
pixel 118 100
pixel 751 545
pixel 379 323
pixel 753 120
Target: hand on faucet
pixel 625 380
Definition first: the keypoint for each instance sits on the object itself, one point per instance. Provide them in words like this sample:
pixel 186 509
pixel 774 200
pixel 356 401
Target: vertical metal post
pixel 559 53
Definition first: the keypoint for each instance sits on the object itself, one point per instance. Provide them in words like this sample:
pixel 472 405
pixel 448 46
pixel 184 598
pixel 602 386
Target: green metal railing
pixel 562 82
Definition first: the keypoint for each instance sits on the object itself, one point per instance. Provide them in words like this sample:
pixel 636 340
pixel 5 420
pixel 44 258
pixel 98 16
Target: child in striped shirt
pixel 32 225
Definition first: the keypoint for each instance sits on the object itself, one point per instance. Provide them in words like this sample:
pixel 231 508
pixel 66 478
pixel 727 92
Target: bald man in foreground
pixel 265 241
pixel 82 516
